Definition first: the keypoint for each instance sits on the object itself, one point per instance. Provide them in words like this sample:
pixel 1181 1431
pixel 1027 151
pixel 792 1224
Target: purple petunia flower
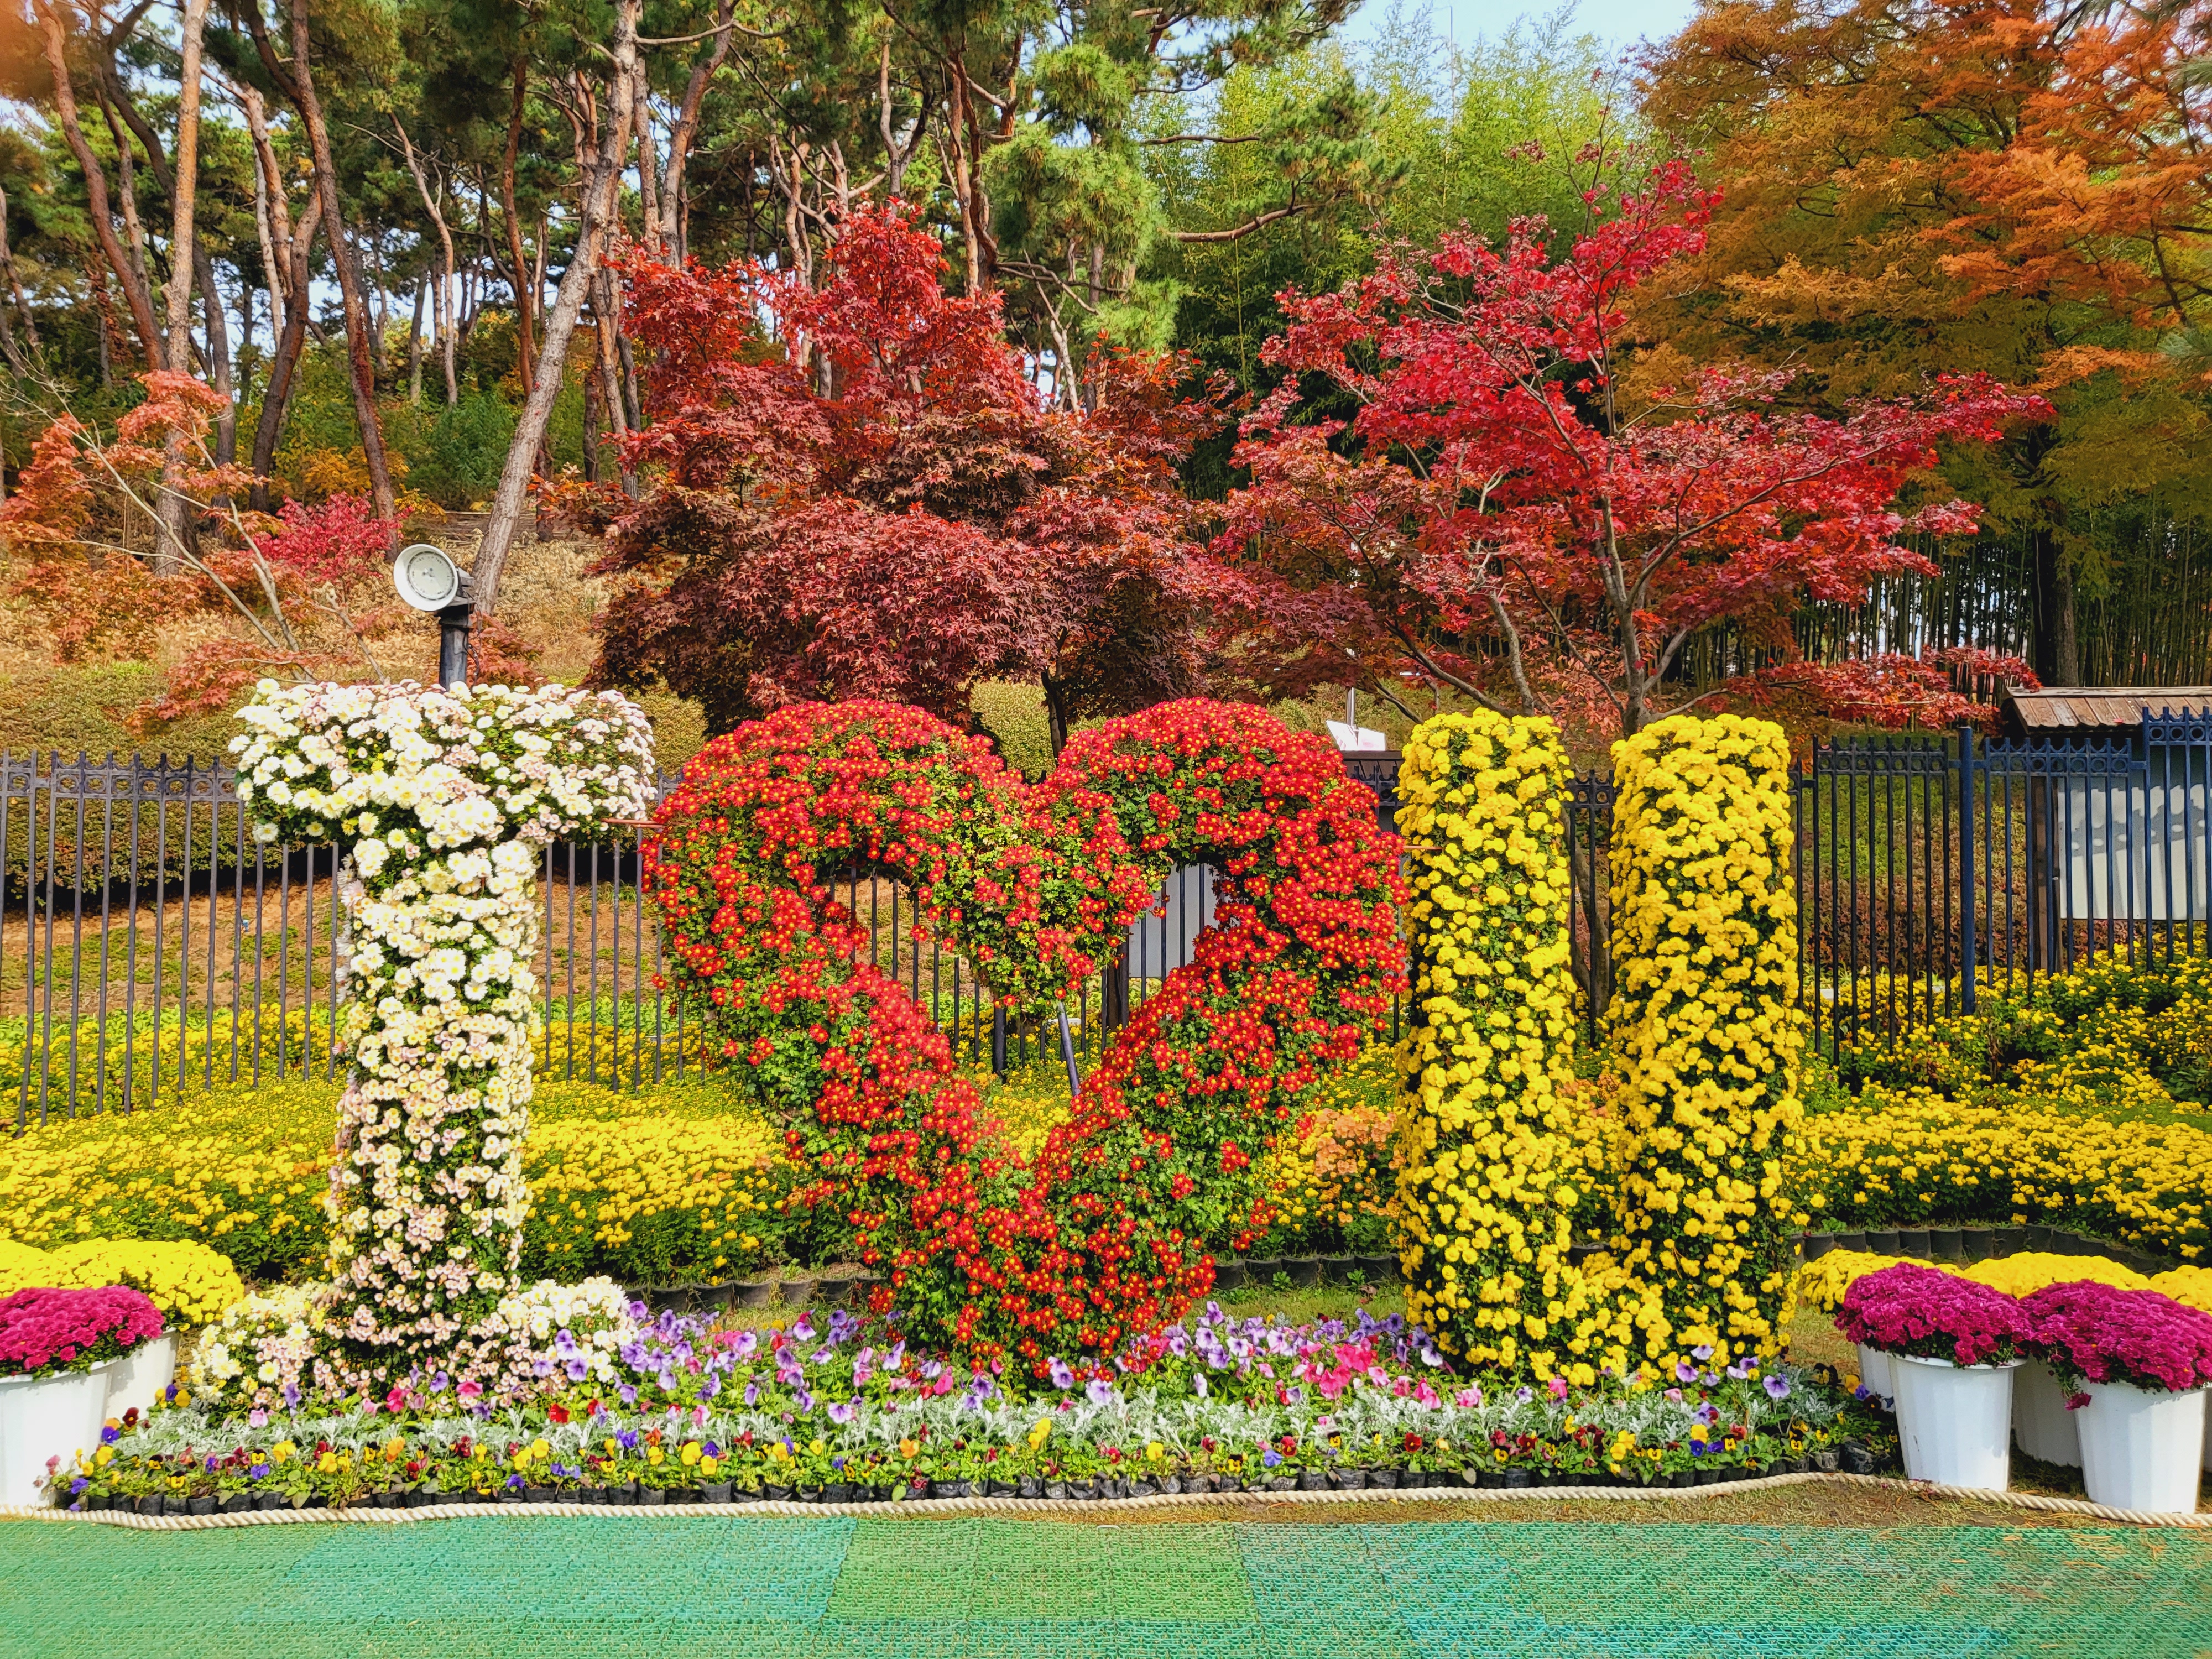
pixel 1062 1377
pixel 842 1411
pixel 1100 1391
pixel 1684 1372
pixel 1779 1389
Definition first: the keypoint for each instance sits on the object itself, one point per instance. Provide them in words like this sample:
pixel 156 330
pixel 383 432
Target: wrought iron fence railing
pixel 149 943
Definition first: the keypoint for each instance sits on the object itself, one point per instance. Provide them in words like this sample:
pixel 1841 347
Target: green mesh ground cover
pixel 640 1586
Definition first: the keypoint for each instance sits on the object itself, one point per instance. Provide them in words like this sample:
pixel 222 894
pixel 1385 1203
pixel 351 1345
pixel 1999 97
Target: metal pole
pixel 1966 868
pixel 1067 1055
pixel 454 622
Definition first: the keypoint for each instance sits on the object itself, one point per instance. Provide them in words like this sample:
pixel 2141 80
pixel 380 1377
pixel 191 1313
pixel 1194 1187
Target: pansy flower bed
pixel 838 1408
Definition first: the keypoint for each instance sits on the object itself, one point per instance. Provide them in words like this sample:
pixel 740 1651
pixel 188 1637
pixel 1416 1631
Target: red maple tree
pixel 861 496
pixel 1499 516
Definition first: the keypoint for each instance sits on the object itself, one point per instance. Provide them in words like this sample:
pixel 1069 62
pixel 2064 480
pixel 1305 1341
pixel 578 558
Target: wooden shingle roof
pixel 2103 707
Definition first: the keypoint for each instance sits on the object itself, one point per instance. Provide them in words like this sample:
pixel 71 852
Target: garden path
pixel 642 1585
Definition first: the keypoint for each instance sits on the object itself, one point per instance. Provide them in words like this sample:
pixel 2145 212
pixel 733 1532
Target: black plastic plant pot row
pixel 1851 1457
pixel 831 1286
pixel 1977 1243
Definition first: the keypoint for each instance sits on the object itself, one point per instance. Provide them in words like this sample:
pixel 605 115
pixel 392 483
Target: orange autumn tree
pixel 277 582
pixel 2012 187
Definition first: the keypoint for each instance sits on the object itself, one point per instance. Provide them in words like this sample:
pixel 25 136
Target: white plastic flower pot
pixel 138 1378
pixel 2040 1422
pixel 2143 1450
pixel 44 1417
pixel 1875 1374
pixel 1955 1421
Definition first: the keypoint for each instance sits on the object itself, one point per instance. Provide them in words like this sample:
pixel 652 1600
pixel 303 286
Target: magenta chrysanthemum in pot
pixel 54 1387
pixel 2099 1334
pixel 45 1332
pixel 1926 1315
pixel 1955 1345
pixel 2137 1364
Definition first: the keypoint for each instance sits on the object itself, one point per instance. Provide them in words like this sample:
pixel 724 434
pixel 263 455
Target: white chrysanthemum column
pixel 445 803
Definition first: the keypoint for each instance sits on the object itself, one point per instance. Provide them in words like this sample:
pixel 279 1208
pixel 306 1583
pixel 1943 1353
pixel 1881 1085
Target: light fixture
pixel 426 578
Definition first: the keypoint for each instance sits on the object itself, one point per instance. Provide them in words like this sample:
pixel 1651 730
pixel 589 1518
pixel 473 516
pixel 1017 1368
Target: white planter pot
pixel 2040 1421
pixel 1955 1421
pixel 2141 1450
pixel 139 1376
pixel 1876 1376
pixel 47 1417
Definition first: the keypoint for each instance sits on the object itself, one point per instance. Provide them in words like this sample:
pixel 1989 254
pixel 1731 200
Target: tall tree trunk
pixel 2056 643
pixel 356 313
pixel 605 316
pixel 415 347
pixel 285 358
pixel 524 350
pixel 680 136
pixel 591 428
pixel 176 511
pixel 15 282
pixel 184 192
pixel 602 198
pixel 95 184
pixel 648 171
pixel 448 300
pixel 218 356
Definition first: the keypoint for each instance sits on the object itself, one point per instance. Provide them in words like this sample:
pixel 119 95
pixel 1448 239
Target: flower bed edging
pixel 1041 1507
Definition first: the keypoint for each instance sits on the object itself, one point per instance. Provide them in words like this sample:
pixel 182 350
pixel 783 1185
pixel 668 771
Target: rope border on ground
pixel 1039 1506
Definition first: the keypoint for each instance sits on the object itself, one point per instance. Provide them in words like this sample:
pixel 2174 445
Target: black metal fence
pixel 147 943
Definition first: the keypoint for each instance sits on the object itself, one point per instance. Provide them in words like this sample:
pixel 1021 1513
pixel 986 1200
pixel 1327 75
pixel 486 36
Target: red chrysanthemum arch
pixel 1100 1235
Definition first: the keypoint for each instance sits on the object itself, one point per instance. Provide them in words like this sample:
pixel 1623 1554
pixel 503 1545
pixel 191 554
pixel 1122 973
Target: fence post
pixel 1967 967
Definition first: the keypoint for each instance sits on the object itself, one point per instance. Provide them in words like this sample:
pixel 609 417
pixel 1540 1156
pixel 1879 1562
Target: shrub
pixel 457 463
pixel 340 541
pixel 1706 1025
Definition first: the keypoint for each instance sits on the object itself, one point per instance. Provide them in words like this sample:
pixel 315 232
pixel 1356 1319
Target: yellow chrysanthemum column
pixel 1707 1032
pixel 1488 1168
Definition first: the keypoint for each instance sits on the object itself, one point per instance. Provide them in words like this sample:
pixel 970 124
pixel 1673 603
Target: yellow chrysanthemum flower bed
pixel 190 1284
pixel 652 1195
pixel 1491 1163
pixel 1894 1158
pixel 682 1183
pixel 1706 1031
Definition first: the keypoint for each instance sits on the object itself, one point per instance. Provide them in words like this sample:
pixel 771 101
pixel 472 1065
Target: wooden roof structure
pixel 2100 708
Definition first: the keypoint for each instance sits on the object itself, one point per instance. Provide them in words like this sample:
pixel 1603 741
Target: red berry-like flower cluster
pixel 1099 1236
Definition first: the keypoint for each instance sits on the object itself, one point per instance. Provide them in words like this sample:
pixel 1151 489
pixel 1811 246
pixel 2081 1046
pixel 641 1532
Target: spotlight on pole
pixel 430 580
